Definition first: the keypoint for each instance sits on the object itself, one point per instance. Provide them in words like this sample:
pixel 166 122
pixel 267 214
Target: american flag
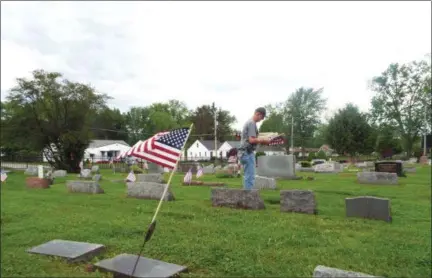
pixel 145 165
pixel 278 140
pixel 164 148
pixel 188 177
pixel 199 172
pixel 131 177
pixel 3 176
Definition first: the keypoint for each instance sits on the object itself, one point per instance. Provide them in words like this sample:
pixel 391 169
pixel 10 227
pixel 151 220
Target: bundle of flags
pixel 278 140
pixel 188 177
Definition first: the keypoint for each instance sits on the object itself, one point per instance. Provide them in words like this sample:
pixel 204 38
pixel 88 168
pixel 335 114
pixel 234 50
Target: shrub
pixel 311 156
pixel 136 169
pixel 321 155
pixel 305 164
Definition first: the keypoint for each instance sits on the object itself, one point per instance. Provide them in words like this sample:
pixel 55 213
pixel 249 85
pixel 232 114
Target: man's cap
pixel 261 110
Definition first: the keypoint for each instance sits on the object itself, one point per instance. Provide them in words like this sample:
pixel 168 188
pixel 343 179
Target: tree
pixel 319 137
pixel 274 121
pixel 54 116
pixel 109 124
pixel 403 98
pixel 203 120
pixel 348 131
pixel 387 143
pixel 305 105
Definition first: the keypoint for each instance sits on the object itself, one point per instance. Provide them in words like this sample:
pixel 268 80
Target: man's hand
pixel 264 141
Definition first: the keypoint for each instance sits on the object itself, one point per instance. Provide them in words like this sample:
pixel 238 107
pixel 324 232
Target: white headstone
pixel 40 172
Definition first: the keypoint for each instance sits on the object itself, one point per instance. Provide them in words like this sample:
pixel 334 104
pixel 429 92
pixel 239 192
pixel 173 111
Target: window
pixel 197 145
pixel 205 153
pixel 199 154
pixel 190 154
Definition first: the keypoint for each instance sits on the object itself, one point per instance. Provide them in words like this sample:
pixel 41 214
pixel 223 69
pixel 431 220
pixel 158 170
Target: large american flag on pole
pixel 163 148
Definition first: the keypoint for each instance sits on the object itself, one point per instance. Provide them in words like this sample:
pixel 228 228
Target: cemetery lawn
pixel 220 241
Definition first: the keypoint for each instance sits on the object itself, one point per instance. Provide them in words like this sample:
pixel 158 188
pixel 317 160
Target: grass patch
pixel 220 241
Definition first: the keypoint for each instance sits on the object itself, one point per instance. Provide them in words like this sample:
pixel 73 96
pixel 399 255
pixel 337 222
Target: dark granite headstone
pixel 237 198
pixel 368 207
pixel 72 251
pixel 389 167
pixel 123 264
pixel 301 201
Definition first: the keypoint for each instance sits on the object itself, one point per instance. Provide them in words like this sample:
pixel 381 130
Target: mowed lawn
pixel 222 241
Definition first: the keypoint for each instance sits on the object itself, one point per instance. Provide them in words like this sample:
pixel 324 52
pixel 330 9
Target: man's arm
pixel 252 136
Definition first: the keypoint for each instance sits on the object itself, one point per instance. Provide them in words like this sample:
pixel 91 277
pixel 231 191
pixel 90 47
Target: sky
pixel 240 55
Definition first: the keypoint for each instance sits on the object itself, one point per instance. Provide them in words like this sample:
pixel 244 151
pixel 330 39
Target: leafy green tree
pixel 305 105
pixel 109 124
pixel 52 115
pixel 403 99
pixel 274 121
pixel 348 131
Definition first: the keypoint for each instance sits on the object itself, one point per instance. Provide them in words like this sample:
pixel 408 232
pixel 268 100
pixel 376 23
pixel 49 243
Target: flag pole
pixel 152 225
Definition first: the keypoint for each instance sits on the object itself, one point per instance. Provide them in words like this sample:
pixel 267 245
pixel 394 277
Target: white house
pixel 202 150
pixel 226 146
pixel 102 150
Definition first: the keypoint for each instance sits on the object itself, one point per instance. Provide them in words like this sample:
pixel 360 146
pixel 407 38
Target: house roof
pixel 94 144
pixel 234 144
pixel 262 148
pixel 209 144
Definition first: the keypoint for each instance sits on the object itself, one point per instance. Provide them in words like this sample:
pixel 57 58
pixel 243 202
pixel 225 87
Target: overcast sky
pixel 240 55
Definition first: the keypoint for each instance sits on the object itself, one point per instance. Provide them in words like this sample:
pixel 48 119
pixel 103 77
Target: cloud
pixel 239 55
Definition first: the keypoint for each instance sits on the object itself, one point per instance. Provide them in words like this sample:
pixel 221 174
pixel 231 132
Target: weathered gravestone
pixel 276 166
pixel 59 174
pixel 155 168
pixel 31 170
pixel 123 265
pixel 97 177
pixel 95 169
pixel 329 272
pixel 237 198
pixel 377 178
pixel 91 187
pixel 158 178
pixel 148 190
pixel 368 207
pixel 85 174
pixel 410 169
pixel 389 167
pixel 264 183
pixel 302 201
pixel 217 168
pixel 328 167
pixel 72 251
pixel 209 169
pixel 35 182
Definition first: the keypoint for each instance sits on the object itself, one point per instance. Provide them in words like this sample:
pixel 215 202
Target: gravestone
pixel 389 167
pixel 209 169
pixel 123 265
pixel 95 169
pixel 31 170
pixel 97 177
pixel 154 168
pixel 264 183
pixel 91 187
pixel 217 168
pixel 276 166
pixel 302 201
pixel 59 174
pixel 306 169
pixel 40 171
pixel 362 165
pixel 410 169
pixel 368 207
pixel 379 178
pixel 85 174
pixel 35 182
pixel 203 183
pixel 158 178
pixel 148 190
pixel 237 198
pixel 329 272
pixel 333 167
pixel 72 251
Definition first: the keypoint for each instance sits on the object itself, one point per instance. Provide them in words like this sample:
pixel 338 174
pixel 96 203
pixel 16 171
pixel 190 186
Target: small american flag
pixel 131 177
pixel 145 165
pixel 81 165
pixel 278 140
pixel 199 172
pixel 164 148
pixel 3 176
pixel 188 177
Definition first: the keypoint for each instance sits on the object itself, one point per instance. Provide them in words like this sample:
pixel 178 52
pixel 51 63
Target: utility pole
pixel 215 132
pixel 292 134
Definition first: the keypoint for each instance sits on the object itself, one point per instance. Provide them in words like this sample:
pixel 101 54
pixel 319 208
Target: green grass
pixel 221 241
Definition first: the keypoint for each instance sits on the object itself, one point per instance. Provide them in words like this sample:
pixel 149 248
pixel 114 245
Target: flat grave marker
pixel 72 251
pixel 122 266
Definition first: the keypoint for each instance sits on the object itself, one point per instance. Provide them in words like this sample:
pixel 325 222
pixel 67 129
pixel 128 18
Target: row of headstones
pixel 122 265
pixel 301 201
